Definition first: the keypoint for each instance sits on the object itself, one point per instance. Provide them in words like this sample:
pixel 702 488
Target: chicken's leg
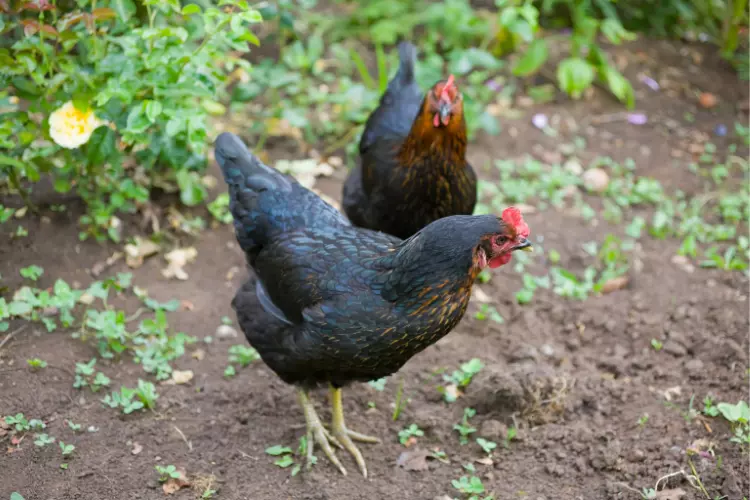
pixel 316 433
pixel 344 435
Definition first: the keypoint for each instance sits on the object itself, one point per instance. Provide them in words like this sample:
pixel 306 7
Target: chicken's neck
pixel 421 282
pixel 427 145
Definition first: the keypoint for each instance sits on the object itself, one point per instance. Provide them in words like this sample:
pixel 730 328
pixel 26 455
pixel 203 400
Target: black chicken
pixel 340 303
pixel 413 167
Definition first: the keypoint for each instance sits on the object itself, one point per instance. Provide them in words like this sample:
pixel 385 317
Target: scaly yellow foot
pixel 343 435
pixel 316 433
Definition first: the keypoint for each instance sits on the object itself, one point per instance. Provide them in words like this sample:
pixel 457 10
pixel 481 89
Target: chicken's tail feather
pixel 407 55
pixel 240 167
pixel 254 190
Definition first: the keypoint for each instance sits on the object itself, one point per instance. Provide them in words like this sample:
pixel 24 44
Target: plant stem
pixel 13 177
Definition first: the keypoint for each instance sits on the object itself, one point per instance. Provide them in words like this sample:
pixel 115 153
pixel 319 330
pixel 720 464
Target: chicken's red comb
pixel 512 216
pixel 444 95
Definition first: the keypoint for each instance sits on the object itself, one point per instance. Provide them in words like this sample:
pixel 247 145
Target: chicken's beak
pixel 523 244
pixel 445 112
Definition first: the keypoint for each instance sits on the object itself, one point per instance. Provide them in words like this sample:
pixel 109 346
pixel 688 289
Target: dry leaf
pixel 481 296
pixel 305 171
pixel 187 305
pixel 415 459
pixel 451 392
pixel 137 448
pixel 177 259
pixel 135 253
pixel 174 484
pixel 615 284
pixel 410 442
pixel 199 354
pixel 226 332
pixel 182 376
pixel 232 272
pixel 484 461
pixel 100 267
pixel 279 127
pixel 670 494
pixel 672 391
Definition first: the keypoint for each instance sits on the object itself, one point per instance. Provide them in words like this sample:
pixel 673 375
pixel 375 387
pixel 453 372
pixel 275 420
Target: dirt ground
pixel 574 377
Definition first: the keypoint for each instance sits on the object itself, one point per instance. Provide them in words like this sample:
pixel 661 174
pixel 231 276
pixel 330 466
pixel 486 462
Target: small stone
pixel 674 348
pixel 694 366
pixel 226 332
pixel 547 350
pixel 554 470
pixel 574 166
pixel 707 100
pixel 493 429
pixel 596 180
pixel 524 353
pixel 637 456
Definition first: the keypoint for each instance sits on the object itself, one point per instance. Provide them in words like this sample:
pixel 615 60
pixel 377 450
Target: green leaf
pixel 32 272
pixel 18 308
pixel 175 125
pixel 213 107
pixel 278 450
pixel 137 120
pixel 284 461
pixel 739 413
pixel 125 9
pixel 101 146
pixel 615 32
pixel 62 185
pixel 16 496
pixel 191 9
pixel 7 160
pixel 192 191
pixel 574 75
pixel 524 296
pixel 620 86
pixel 523 29
pixel 533 59
pixel 153 110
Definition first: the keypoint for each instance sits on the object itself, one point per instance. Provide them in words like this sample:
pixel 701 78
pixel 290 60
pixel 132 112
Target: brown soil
pixel 575 377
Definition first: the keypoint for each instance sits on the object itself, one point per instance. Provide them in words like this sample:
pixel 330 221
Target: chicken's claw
pixel 316 433
pixel 344 435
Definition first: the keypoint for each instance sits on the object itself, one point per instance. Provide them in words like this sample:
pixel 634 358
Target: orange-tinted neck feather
pixel 425 139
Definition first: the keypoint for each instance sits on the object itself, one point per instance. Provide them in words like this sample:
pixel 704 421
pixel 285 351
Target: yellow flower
pixel 72 128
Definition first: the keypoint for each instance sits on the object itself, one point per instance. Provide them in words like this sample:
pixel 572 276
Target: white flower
pixel 72 128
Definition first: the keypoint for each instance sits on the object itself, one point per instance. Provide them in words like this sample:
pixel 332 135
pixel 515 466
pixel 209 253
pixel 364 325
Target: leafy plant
pixel 408 433
pixel 139 88
pixel 36 363
pixel 242 355
pixel 379 384
pixel 86 376
pixel 66 449
pixel 284 454
pixel 469 485
pixel 43 440
pixel 166 472
pixel 144 396
pixel 461 378
pixel 32 272
pixel 487 446
pixel 464 428
pixel 509 436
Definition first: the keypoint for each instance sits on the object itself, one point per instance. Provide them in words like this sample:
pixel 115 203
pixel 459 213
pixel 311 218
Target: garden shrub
pixel 112 97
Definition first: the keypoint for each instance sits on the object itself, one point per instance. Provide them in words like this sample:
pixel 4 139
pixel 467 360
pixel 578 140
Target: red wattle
pixel 500 260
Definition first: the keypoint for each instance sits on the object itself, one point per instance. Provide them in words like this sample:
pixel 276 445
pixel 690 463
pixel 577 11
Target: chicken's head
pixel 495 249
pixel 444 101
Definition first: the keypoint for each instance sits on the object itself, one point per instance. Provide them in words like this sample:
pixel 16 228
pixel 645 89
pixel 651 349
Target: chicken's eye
pixel 500 240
